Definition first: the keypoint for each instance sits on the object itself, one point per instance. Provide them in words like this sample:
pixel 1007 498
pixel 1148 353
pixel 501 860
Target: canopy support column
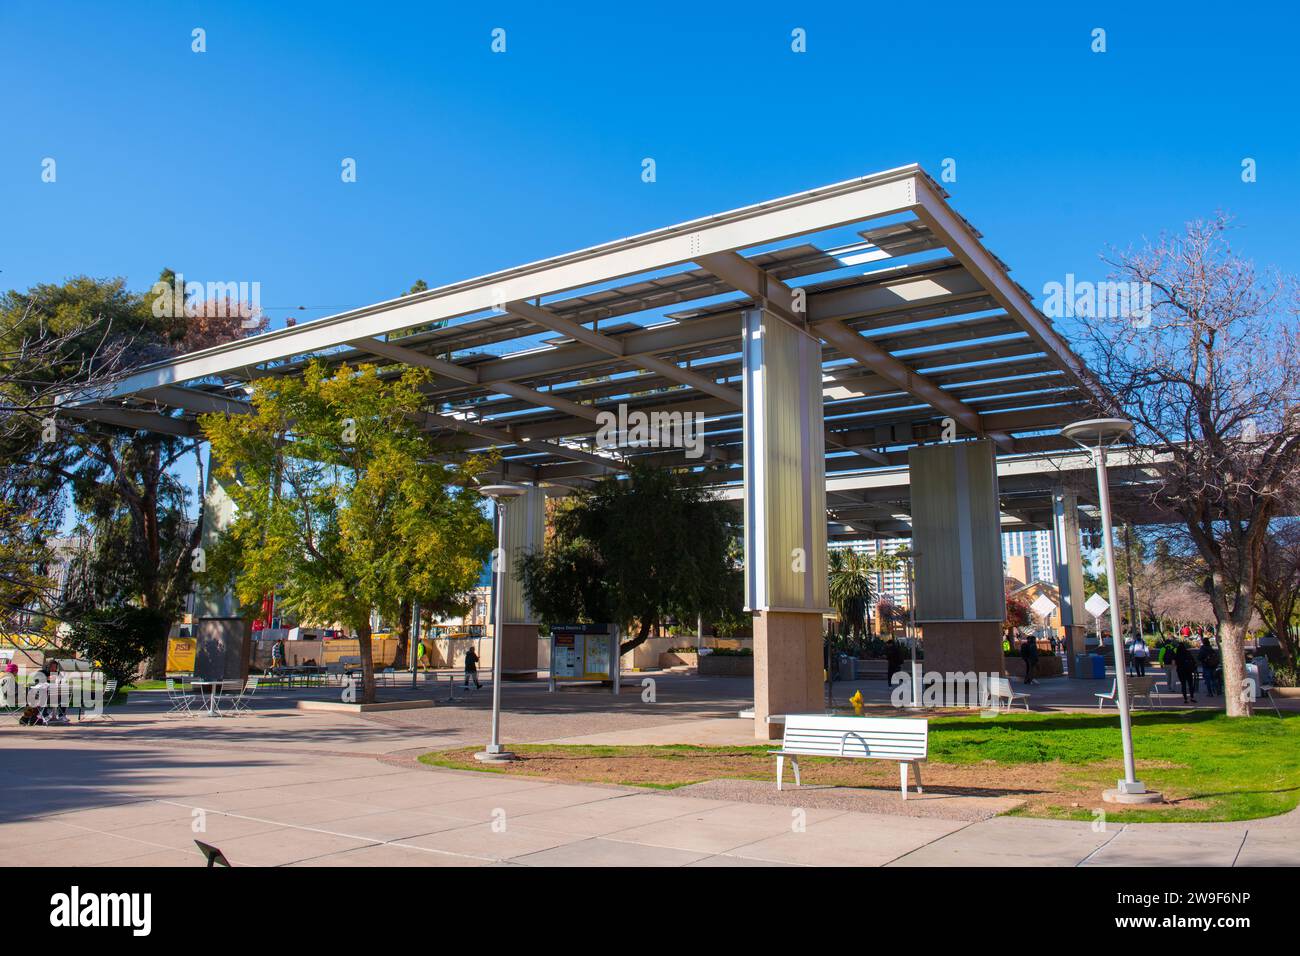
pixel 525 528
pixel 1069 574
pixel 957 543
pixel 785 516
pixel 223 635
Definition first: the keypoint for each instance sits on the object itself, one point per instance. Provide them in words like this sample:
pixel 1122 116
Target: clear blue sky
pixel 225 165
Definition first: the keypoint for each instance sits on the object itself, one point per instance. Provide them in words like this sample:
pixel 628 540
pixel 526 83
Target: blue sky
pixel 225 165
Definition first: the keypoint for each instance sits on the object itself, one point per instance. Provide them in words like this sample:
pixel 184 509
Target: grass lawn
pixel 1208 766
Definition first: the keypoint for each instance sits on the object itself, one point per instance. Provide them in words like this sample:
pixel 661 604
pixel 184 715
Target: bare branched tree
pixel 1278 584
pixel 29 348
pixel 1211 376
pixel 90 357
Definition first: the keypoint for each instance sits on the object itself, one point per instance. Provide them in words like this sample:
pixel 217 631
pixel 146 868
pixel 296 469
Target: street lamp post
pixel 1096 435
pixel 500 494
pixel 909 557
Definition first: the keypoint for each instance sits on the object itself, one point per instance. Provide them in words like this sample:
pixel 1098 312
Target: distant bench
pixel 902 739
pixel 1137 687
pixel 1001 696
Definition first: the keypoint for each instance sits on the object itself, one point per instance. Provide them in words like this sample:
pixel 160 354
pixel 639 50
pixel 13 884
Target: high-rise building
pixel 886 584
pixel 1036 547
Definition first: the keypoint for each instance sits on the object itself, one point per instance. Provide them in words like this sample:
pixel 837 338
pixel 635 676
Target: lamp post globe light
pixel 500 495
pixel 1097 435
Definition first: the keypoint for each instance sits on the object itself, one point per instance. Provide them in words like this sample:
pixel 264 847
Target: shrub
pixel 116 639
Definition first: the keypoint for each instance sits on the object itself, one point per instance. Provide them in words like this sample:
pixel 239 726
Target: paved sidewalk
pixel 84 800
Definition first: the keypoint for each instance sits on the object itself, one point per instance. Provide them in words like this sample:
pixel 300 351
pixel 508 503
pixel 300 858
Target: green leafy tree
pixel 850 573
pixel 117 638
pixel 344 504
pixel 24 584
pixel 635 548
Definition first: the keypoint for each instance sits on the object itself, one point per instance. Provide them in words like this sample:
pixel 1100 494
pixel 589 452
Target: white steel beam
pixel 470 376
pixel 612 346
pixel 506 436
pixel 827 207
pixel 743 275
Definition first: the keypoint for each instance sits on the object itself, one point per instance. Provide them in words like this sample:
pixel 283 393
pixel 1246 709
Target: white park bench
pixel 1137 687
pixel 1260 677
pixel 1001 696
pixel 904 739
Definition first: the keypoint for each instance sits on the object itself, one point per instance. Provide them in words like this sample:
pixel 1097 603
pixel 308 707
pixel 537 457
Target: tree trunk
pixel 158 660
pixel 1232 652
pixel 642 633
pixel 367 695
pixel 402 659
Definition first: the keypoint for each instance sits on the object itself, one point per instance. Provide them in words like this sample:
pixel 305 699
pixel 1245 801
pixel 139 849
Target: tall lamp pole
pixel 1097 435
pixel 500 494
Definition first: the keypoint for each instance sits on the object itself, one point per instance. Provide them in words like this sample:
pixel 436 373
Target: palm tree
pixel 850 588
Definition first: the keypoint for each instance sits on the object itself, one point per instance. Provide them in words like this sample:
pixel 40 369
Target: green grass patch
pixel 1210 767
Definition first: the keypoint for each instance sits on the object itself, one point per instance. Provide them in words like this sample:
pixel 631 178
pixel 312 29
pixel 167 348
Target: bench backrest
pixel 886 738
pixel 999 687
pixel 1137 687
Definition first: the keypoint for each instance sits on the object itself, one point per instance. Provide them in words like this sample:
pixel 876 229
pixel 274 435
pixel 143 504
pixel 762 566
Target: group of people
pixel 45 702
pixel 1188 655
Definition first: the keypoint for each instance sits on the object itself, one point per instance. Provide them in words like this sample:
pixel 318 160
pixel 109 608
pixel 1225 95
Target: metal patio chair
pixel 238 704
pixel 181 702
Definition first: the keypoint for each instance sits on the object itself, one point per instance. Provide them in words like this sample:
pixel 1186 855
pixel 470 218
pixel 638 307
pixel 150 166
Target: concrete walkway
pixel 284 787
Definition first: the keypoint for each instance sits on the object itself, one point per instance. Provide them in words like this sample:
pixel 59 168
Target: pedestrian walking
pixel 471 669
pixel 1140 654
pixel 1185 664
pixel 1208 658
pixel 1029 653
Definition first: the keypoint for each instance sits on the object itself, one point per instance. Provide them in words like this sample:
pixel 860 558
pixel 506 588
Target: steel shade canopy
pixel 923 336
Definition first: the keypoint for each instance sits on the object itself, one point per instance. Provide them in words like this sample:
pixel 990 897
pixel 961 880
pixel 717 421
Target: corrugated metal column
pixel 957 540
pixel 223 636
pixel 785 516
pixel 1068 557
pixel 525 526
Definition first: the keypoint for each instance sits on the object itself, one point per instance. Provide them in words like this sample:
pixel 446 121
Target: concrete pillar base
pixel 222 648
pixel 959 647
pixel 788 668
pixel 1074 644
pixel 1117 795
pixel 519 652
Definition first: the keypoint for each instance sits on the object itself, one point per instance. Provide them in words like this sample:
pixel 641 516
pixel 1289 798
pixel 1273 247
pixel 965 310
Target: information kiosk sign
pixel 585 652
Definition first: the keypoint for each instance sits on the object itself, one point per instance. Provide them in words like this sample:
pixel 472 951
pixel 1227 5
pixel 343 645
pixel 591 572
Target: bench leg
pixel 780 770
pixel 794 762
pixel 902 776
pixel 917 768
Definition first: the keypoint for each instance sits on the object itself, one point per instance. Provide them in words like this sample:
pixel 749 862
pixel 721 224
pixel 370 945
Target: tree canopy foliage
pixel 636 548
pixel 344 503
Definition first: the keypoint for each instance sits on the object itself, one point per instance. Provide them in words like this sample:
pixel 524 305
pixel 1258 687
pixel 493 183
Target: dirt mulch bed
pixel 1049 788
